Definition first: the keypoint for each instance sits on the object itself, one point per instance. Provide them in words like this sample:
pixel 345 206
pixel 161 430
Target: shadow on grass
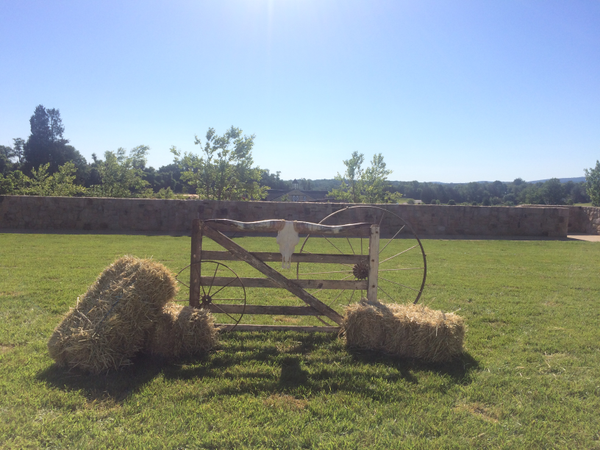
pixel 114 386
pixel 460 369
pixel 269 363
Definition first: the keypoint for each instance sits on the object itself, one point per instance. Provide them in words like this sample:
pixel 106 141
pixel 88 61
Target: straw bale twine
pixel 412 331
pixel 182 331
pixel 111 320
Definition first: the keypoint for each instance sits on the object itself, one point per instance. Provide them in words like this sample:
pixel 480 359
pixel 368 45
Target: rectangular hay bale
pixel 410 331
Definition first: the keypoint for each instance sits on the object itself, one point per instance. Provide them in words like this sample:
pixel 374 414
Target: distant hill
pixel 328 184
pixel 562 180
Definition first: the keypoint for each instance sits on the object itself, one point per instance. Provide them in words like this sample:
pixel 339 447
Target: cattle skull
pixel 287 238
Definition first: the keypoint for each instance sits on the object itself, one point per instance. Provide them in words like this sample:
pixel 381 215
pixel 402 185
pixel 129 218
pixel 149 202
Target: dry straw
pixel 182 331
pixel 111 321
pixel 412 331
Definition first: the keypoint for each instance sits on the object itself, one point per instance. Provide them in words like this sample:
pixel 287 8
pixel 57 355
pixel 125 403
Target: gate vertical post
pixel 373 263
pixel 195 263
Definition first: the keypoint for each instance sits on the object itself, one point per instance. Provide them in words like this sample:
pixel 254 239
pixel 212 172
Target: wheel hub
pixel 361 270
pixel 205 300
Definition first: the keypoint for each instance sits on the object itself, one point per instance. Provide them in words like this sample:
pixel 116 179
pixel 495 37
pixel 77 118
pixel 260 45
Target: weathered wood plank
pixel 195 262
pixel 356 285
pixel 296 257
pixel 373 263
pixel 269 310
pixel 262 267
pixel 309 329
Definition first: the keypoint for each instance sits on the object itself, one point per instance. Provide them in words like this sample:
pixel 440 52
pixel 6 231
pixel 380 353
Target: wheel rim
pixel 402 260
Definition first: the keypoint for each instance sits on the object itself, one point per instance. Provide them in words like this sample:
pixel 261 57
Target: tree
pixel 375 181
pixel 18 149
pixel 11 158
pixel 592 184
pixel 121 175
pixel 575 193
pixel 427 193
pixel 225 171
pixel 350 183
pixel 5 163
pixel 531 194
pixel 364 186
pixel 274 181
pixel 43 183
pixel 169 176
pixel 46 143
pixel 497 189
pixel 474 192
pixel 552 192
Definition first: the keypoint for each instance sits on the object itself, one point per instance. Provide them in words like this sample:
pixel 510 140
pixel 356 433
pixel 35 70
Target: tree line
pixel 46 164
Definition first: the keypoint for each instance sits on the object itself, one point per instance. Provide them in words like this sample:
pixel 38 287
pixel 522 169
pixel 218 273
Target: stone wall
pixel 584 219
pixel 175 216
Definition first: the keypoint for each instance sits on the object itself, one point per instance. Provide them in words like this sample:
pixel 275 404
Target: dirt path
pixel 585 237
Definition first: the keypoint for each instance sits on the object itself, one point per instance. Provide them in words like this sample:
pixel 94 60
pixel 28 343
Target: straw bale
pixel 412 331
pixel 111 320
pixel 182 331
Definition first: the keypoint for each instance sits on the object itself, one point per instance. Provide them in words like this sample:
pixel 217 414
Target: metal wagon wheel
pixel 221 292
pixel 402 260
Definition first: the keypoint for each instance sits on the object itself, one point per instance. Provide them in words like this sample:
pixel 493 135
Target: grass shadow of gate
pixel 460 370
pixel 307 364
pixel 113 386
pixel 296 364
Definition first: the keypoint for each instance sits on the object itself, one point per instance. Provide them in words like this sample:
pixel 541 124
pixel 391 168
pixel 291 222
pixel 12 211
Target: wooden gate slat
pixel 296 257
pixel 300 328
pixel 264 310
pixel 355 285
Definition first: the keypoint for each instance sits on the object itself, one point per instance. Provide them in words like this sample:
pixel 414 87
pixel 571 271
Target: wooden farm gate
pixel 203 282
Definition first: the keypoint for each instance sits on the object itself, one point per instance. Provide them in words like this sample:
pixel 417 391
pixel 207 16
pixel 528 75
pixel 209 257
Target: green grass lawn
pixel 530 377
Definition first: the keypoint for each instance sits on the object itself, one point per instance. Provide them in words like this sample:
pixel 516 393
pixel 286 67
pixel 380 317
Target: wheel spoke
pixel 336 297
pixel 350 244
pixel 399 284
pixel 397 254
pixel 351 297
pixel 402 268
pixel 226 313
pixel 223 287
pixel 320 319
pixel 334 246
pixel 392 238
pixel 383 290
pixel 213 278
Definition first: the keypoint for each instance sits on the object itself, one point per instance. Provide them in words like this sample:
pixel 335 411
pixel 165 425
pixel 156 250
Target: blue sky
pixel 451 91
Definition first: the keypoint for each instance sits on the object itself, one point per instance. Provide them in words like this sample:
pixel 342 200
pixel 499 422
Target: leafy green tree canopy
pixel 552 192
pixel 225 170
pixel 61 183
pixel 5 162
pixel 122 175
pixel 46 143
pixel 364 186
